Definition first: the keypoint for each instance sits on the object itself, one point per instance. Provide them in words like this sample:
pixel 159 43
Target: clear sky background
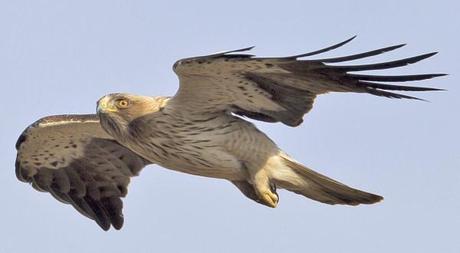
pixel 59 57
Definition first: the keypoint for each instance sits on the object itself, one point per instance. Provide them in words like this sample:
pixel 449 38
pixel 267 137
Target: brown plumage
pixel 87 160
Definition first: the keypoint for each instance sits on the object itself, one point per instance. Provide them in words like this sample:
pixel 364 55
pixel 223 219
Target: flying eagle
pixel 87 160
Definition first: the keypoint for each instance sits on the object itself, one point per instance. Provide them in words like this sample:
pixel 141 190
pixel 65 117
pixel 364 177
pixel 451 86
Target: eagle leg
pixel 262 184
pixel 248 190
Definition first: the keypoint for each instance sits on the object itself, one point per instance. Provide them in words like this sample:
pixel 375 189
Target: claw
pixel 269 198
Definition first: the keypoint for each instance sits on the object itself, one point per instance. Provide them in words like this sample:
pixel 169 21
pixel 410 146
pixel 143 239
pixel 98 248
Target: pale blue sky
pixel 59 57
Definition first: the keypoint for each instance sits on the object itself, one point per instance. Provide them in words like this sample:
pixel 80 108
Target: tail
pixel 299 179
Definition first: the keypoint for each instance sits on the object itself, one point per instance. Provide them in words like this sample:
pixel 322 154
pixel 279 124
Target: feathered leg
pixel 262 184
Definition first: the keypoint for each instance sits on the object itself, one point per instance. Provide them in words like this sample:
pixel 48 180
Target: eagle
pixel 87 160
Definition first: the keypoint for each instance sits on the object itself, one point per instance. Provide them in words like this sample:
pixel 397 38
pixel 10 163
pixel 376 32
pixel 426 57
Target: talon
pixel 270 199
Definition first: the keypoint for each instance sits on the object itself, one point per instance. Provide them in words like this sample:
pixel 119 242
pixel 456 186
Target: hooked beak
pixel 104 106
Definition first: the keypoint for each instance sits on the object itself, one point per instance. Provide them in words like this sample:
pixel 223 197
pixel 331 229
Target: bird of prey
pixel 87 160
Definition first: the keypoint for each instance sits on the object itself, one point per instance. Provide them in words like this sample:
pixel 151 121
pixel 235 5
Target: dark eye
pixel 122 103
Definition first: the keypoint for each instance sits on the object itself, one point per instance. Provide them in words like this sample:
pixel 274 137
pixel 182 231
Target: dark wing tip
pixel 398 78
pixel 428 55
pixel 346 41
pixel 117 226
pixel 396 47
pixel 350 39
pixel 383 86
pixel 103 226
pixel 242 49
pixel 228 53
pixel 383 65
pixel 321 50
pixel 359 55
pixel 418 58
pixel 388 94
pixel 375 199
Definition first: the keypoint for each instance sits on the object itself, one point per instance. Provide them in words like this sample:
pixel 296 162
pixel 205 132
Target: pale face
pixel 117 110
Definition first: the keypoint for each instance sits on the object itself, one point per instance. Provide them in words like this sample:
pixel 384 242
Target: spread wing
pixel 281 89
pixel 74 159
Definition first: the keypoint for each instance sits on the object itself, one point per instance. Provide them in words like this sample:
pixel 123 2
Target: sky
pixel 59 57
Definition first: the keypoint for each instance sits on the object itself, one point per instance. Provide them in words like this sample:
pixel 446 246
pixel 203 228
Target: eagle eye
pixel 122 103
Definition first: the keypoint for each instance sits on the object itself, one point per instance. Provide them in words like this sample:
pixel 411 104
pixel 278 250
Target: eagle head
pixel 118 111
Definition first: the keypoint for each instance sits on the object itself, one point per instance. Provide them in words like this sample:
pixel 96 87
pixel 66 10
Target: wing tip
pixel 437 75
pixel 376 199
pixel 393 95
pixel 323 50
pixel 103 226
pixel 351 38
pixel 229 52
pixel 400 45
pixel 359 55
pixel 117 226
pixel 368 199
pixel 427 55
pixel 247 48
pixel 391 48
pixel 382 65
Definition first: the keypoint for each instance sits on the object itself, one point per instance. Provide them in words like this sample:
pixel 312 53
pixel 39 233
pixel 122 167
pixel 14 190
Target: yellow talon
pixel 270 199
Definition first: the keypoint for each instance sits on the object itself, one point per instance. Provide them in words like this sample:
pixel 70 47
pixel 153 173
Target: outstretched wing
pixel 74 159
pixel 281 89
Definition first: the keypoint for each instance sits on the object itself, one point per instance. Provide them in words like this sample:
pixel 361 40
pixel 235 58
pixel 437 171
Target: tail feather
pixel 311 184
